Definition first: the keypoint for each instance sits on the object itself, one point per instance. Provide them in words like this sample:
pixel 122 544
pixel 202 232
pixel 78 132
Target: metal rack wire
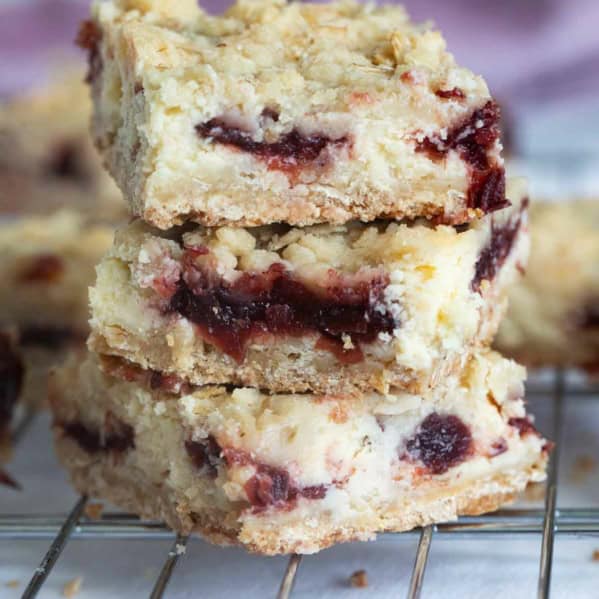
pixel 544 523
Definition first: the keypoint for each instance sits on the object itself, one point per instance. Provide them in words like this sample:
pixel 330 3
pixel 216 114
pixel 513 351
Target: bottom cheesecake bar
pixel 295 473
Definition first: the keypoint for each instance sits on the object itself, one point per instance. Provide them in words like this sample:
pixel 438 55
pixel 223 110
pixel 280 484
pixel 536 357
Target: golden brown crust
pixel 347 380
pixel 315 208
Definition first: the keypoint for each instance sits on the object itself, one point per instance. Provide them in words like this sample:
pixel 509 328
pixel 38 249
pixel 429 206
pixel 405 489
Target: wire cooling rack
pixel 542 523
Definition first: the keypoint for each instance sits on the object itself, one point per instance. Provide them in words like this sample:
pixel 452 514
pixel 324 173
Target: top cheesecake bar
pixel 299 113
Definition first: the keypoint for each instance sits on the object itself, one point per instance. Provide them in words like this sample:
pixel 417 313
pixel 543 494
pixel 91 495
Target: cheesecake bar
pixel 553 319
pixel 288 112
pixel 328 309
pixel 46 267
pixel 47 159
pixel 296 473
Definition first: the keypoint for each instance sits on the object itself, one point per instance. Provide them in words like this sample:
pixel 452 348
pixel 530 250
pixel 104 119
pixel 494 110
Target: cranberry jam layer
pixel 283 473
pixel 329 309
pixel 291 112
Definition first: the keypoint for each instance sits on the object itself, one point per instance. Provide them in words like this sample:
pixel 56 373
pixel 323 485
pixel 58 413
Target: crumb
pixel 596 555
pixel 583 467
pixel 12 584
pixel 72 587
pixel 359 579
pixel 347 342
pixel 94 510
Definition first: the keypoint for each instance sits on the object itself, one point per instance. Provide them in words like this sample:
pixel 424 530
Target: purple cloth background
pixel 528 50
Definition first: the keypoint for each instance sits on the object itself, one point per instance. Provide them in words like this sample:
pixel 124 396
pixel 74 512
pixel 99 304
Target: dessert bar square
pixel 47 265
pixel 553 319
pixel 288 112
pixel 296 473
pixel 47 158
pixel 329 309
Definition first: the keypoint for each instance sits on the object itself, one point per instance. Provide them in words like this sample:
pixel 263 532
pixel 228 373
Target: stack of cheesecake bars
pixel 290 340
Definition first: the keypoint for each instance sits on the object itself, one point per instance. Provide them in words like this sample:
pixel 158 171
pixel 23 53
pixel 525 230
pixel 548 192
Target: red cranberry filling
pixel 230 315
pixel 119 440
pixel 272 486
pixel 441 442
pixel 88 38
pixel 205 454
pixel 11 380
pixel 524 426
pixel 45 268
pixel 487 190
pixel 493 256
pixel 451 94
pixel 313 492
pixel 498 447
pixel 152 379
pixel 472 139
pixel 269 486
pixel 169 383
pixel 290 151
